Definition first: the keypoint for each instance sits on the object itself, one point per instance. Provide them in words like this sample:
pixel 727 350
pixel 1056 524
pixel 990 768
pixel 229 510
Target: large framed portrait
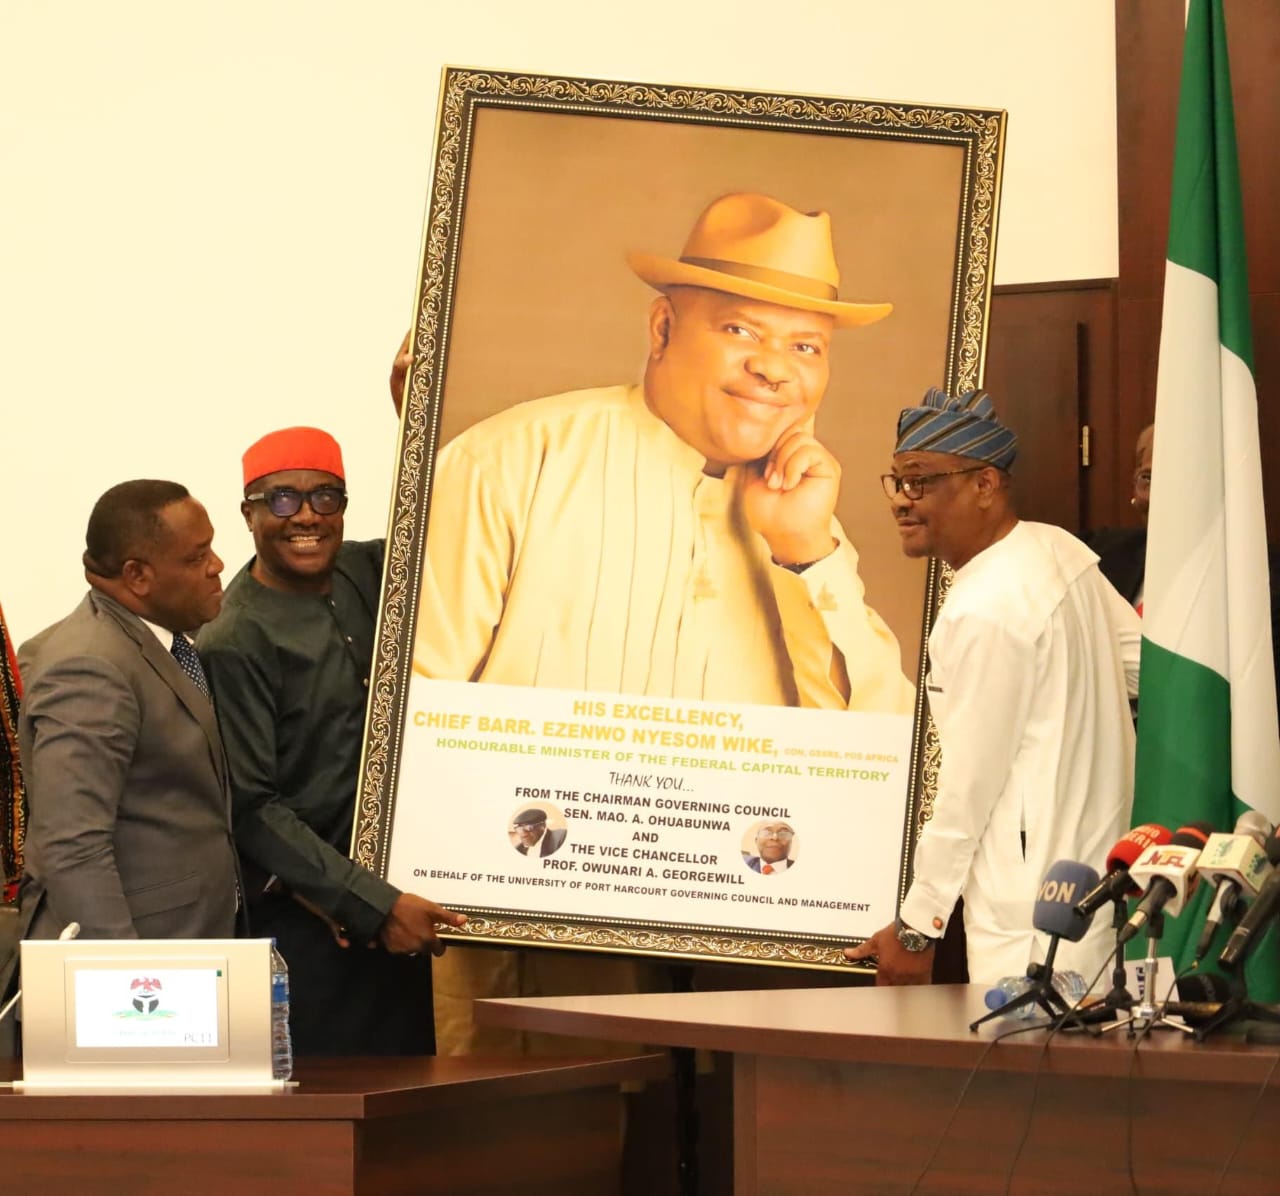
pixel 649 672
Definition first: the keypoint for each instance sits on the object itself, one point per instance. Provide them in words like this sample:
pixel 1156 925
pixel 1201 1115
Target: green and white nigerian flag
pixel 1208 746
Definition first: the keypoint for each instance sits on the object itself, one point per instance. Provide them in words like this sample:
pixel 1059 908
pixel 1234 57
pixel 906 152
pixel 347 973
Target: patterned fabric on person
pixel 13 813
pixel 185 654
pixel 966 426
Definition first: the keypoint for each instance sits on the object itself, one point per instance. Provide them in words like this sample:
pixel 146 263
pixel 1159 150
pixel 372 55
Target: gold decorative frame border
pixel 980 131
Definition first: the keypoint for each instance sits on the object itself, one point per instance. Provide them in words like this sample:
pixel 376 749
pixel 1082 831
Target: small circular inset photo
pixel 537 829
pixel 769 847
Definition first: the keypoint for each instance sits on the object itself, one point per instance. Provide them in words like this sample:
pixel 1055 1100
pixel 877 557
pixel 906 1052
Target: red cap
pixel 293 448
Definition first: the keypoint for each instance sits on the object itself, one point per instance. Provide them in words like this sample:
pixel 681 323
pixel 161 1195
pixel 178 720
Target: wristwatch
pixel 911 940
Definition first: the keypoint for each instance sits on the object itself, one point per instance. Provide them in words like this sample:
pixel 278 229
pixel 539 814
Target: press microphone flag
pixel 1238 865
pixel 1056 910
pixel 1117 883
pixel 1169 873
pixel 1258 915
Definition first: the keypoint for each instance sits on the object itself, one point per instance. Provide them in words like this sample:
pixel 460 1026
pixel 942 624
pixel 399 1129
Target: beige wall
pixel 211 210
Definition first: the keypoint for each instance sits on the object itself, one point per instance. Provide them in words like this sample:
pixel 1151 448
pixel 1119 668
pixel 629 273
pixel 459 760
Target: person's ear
pixel 246 509
pixel 137 577
pixel 662 316
pixel 988 482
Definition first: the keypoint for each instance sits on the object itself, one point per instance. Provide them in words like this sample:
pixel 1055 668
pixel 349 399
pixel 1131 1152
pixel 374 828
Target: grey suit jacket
pixel 129 829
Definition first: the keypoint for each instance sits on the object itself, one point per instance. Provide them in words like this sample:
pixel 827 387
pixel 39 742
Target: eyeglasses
pixel 769 833
pixel 913 485
pixel 283 501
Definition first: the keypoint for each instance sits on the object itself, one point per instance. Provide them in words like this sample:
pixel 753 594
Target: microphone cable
pixel 964 1090
pixel 1248 1121
pixel 1138 1040
pixel 1058 1024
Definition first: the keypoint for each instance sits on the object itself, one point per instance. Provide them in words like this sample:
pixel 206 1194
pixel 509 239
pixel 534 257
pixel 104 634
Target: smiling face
pixel 955 518
pixel 730 375
pixel 296 553
pixel 773 842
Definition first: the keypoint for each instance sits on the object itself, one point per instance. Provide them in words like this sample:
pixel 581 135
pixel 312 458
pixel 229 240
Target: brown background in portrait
pixel 545 302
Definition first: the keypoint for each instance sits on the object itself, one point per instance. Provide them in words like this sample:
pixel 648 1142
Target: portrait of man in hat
pixel 675 537
pixel 658 428
pixel 530 835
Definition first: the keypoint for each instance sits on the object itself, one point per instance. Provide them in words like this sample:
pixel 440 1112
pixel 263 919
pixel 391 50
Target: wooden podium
pixel 840 1091
pixel 488 1127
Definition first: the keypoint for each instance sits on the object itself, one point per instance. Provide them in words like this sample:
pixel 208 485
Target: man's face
pixel 179 577
pixel 296 553
pixel 773 842
pixel 1142 471
pixel 729 375
pixel 530 832
pixel 945 522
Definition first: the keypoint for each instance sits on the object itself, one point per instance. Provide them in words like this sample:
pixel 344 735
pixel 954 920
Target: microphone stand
pixel 1117 1006
pixel 1041 991
pixel 1147 1012
pixel 1235 1008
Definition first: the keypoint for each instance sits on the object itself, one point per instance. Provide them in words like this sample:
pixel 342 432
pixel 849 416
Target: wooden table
pixel 854 1091
pixel 365 1126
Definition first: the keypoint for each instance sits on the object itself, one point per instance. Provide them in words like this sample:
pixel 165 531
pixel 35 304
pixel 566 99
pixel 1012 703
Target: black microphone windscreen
pixel 1066 882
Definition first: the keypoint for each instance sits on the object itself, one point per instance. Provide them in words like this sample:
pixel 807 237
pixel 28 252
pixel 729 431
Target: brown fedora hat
pixel 754 246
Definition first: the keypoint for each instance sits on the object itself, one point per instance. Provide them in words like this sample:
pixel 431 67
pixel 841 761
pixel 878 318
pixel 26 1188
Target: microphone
pixel 1238 865
pixel 1116 883
pixel 1169 872
pixel 70 931
pixel 1262 911
pixel 1056 910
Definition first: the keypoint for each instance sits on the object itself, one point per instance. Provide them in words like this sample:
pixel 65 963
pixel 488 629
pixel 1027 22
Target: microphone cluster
pixel 1164 871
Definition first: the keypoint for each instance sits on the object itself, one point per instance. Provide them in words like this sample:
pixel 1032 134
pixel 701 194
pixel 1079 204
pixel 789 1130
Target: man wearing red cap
pixel 289 661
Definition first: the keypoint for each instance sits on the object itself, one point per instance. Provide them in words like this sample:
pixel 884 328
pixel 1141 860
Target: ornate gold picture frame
pixel 541 188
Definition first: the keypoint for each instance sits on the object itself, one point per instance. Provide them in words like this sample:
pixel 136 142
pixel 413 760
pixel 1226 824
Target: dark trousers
pixel 352 1000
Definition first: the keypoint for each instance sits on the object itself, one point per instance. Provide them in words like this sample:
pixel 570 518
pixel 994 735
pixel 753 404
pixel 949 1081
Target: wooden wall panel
pixel 1050 368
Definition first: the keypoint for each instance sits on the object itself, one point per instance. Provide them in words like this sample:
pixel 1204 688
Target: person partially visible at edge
pixel 1122 551
pixel 12 825
pixel 12 798
pixel 773 849
pixel 289 660
pixel 1033 658
pixel 674 538
pixel 129 830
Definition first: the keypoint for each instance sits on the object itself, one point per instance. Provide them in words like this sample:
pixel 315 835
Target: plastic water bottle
pixel 1071 986
pixel 281 1042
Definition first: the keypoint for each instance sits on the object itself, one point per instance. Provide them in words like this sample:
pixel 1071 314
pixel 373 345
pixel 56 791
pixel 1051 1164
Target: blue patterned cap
pixel 965 427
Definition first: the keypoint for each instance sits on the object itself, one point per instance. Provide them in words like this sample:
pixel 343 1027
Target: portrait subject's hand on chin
pixel 790 497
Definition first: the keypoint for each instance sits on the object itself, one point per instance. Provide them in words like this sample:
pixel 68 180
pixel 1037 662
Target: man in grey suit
pixel 129 809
